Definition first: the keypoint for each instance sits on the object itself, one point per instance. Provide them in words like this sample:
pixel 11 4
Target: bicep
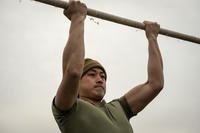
pixel 140 96
pixel 67 92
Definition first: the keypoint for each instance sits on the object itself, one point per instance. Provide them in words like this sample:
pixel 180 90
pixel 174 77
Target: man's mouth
pixel 98 86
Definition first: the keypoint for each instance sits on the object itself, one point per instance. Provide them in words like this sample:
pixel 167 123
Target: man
pixel 78 106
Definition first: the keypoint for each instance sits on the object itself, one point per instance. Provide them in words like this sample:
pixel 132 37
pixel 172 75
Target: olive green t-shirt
pixel 84 117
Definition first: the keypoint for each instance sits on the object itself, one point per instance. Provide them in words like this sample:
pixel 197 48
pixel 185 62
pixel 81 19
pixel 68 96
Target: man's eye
pixel 103 76
pixel 91 74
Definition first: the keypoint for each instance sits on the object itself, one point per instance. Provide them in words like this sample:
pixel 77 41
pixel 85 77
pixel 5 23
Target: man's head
pixel 93 81
pixel 90 63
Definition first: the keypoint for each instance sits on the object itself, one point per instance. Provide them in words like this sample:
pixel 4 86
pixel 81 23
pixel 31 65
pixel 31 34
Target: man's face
pixel 93 84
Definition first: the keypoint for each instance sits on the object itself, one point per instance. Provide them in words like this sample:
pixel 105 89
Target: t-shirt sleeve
pixel 126 107
pixel 60 115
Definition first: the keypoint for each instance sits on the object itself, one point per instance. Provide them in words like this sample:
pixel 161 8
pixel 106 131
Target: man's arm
pixel 141 95
pixel 73 56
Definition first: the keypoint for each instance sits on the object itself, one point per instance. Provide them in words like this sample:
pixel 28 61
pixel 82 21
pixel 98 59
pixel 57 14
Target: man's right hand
pixel 75 9
pixel 152 29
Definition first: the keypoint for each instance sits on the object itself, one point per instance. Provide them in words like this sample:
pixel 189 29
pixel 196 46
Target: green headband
pixel 90 63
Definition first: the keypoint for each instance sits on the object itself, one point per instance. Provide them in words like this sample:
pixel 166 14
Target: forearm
pixel 73 54
pixel 155 64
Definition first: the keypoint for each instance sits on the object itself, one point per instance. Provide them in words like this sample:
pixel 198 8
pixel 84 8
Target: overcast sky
pixel 33 36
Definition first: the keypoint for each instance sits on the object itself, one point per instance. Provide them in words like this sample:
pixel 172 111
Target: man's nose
pixel 99 79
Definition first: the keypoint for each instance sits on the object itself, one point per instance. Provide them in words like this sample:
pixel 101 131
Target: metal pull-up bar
pixel 123 21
